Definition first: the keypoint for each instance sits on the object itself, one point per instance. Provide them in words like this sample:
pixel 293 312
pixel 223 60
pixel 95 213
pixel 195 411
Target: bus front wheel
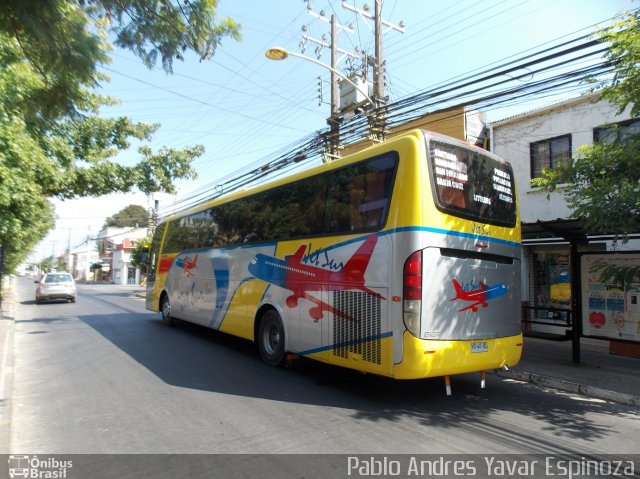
pixel 271 339
pixel 165 309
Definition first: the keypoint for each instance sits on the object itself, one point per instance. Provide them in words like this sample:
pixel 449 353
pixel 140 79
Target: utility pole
pixel 378 71
pixel 334 119
pixel 53 255
pixel 87 270
pixel 69 265
pixel 333 140
pixel 377 123
pixel 376 117
pixel 153 218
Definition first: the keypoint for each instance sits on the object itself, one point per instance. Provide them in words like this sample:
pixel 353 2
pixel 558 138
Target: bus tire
pixel 165 310
pixel 271 339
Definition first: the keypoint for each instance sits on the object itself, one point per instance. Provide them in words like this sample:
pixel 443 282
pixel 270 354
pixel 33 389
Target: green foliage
pixel 137 254
pixel 45 264
pixel 53 141
pixel 130 216
pixel 602 182
pixel 25 213
pixel 159 30
pixel 619 276
pixel 53 42
pixel 61 264
pixel 623 53
pixel 603 185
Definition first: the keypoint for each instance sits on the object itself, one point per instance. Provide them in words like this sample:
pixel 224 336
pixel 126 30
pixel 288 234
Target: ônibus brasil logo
pixel 34 467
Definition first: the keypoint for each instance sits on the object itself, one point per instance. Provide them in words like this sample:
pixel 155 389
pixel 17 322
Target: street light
pixel 279 53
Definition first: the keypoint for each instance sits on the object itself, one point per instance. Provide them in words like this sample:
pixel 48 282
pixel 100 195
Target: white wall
pixel 84 256
pixel 512 138
pixel 120 259
pixel 474 124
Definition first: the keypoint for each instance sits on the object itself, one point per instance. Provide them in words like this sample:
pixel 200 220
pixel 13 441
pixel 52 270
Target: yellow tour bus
pixel 402 260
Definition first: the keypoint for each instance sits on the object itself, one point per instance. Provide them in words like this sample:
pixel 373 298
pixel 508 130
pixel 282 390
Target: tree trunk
pixel 1 274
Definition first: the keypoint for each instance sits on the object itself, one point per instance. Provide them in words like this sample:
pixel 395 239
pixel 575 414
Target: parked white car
pixel 56 286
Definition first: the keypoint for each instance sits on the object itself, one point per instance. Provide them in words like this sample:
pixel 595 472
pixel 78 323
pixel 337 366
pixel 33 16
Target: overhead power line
pixel 555 69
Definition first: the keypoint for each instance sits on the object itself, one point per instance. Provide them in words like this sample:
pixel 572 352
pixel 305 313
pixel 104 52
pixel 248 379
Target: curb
pixel 6 367
pixel 571 387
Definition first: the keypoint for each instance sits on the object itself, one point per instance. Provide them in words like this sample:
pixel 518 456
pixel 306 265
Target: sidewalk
pixel 599 375
pixel 6 367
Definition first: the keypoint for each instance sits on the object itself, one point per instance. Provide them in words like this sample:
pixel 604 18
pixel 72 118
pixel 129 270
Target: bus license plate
pixel 480 347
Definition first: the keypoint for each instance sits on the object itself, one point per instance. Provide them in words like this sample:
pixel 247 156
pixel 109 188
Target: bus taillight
pixel 412 292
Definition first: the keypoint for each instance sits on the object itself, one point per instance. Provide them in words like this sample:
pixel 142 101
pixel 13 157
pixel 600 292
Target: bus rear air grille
pixel 361 335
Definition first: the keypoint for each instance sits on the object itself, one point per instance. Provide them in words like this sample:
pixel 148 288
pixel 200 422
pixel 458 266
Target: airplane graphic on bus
pixel 479 296
pixel 187 264
pixel 300 278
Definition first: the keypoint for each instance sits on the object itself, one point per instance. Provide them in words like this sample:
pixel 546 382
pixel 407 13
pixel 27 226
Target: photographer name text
pixel 488 466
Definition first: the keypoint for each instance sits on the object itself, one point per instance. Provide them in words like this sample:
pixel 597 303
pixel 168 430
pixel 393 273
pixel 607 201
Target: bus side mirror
pixel 144 256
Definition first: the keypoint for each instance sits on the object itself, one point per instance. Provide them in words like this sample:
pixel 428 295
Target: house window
pixel 549 154
pixel 616 132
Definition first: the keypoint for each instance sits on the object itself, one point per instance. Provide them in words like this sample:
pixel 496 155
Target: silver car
pixel 56 286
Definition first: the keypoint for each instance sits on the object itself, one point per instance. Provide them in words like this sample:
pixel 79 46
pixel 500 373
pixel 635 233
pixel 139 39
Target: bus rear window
pixel 472 185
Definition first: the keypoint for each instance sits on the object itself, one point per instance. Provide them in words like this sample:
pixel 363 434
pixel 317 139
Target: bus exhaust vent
pixel 360 334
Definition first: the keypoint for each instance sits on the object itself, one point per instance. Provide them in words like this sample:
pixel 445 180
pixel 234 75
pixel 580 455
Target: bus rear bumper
pixel 430 358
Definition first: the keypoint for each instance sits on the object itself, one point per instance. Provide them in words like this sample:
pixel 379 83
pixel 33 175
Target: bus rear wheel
pixel 165 309
pixel 271 339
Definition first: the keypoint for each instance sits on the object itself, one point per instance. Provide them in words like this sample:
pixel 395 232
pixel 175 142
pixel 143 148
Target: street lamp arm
pixel 278 53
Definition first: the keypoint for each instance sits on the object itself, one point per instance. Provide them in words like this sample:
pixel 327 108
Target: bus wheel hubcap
pixel 272 336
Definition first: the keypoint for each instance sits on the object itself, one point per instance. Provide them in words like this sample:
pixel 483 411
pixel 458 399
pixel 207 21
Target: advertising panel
pixel 611 296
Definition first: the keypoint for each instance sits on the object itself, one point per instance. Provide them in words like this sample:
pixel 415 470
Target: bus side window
pixel 368 199
pixel 338 206
pixel 359 195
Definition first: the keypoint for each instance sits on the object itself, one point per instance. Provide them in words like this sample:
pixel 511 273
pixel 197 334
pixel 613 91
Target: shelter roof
pixel 566 231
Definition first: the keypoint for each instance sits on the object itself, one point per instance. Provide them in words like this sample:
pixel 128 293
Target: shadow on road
pixel 190 356
pixel 48 301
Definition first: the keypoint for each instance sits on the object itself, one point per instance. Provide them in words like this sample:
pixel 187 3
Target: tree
pixel 604 179
pixel 624 55
pixel 46 264
pixel 53 141
pixel 137 254
pixel 130 216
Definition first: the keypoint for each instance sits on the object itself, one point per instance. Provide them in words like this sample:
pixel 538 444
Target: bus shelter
pixel 561 296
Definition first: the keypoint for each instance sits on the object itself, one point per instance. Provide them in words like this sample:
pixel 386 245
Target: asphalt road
pixel 105 376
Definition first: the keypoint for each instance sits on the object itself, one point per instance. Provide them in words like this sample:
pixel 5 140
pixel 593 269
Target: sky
pixel 244 107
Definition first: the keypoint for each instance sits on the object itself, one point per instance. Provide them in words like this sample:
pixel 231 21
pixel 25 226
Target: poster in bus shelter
pixel 611 296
